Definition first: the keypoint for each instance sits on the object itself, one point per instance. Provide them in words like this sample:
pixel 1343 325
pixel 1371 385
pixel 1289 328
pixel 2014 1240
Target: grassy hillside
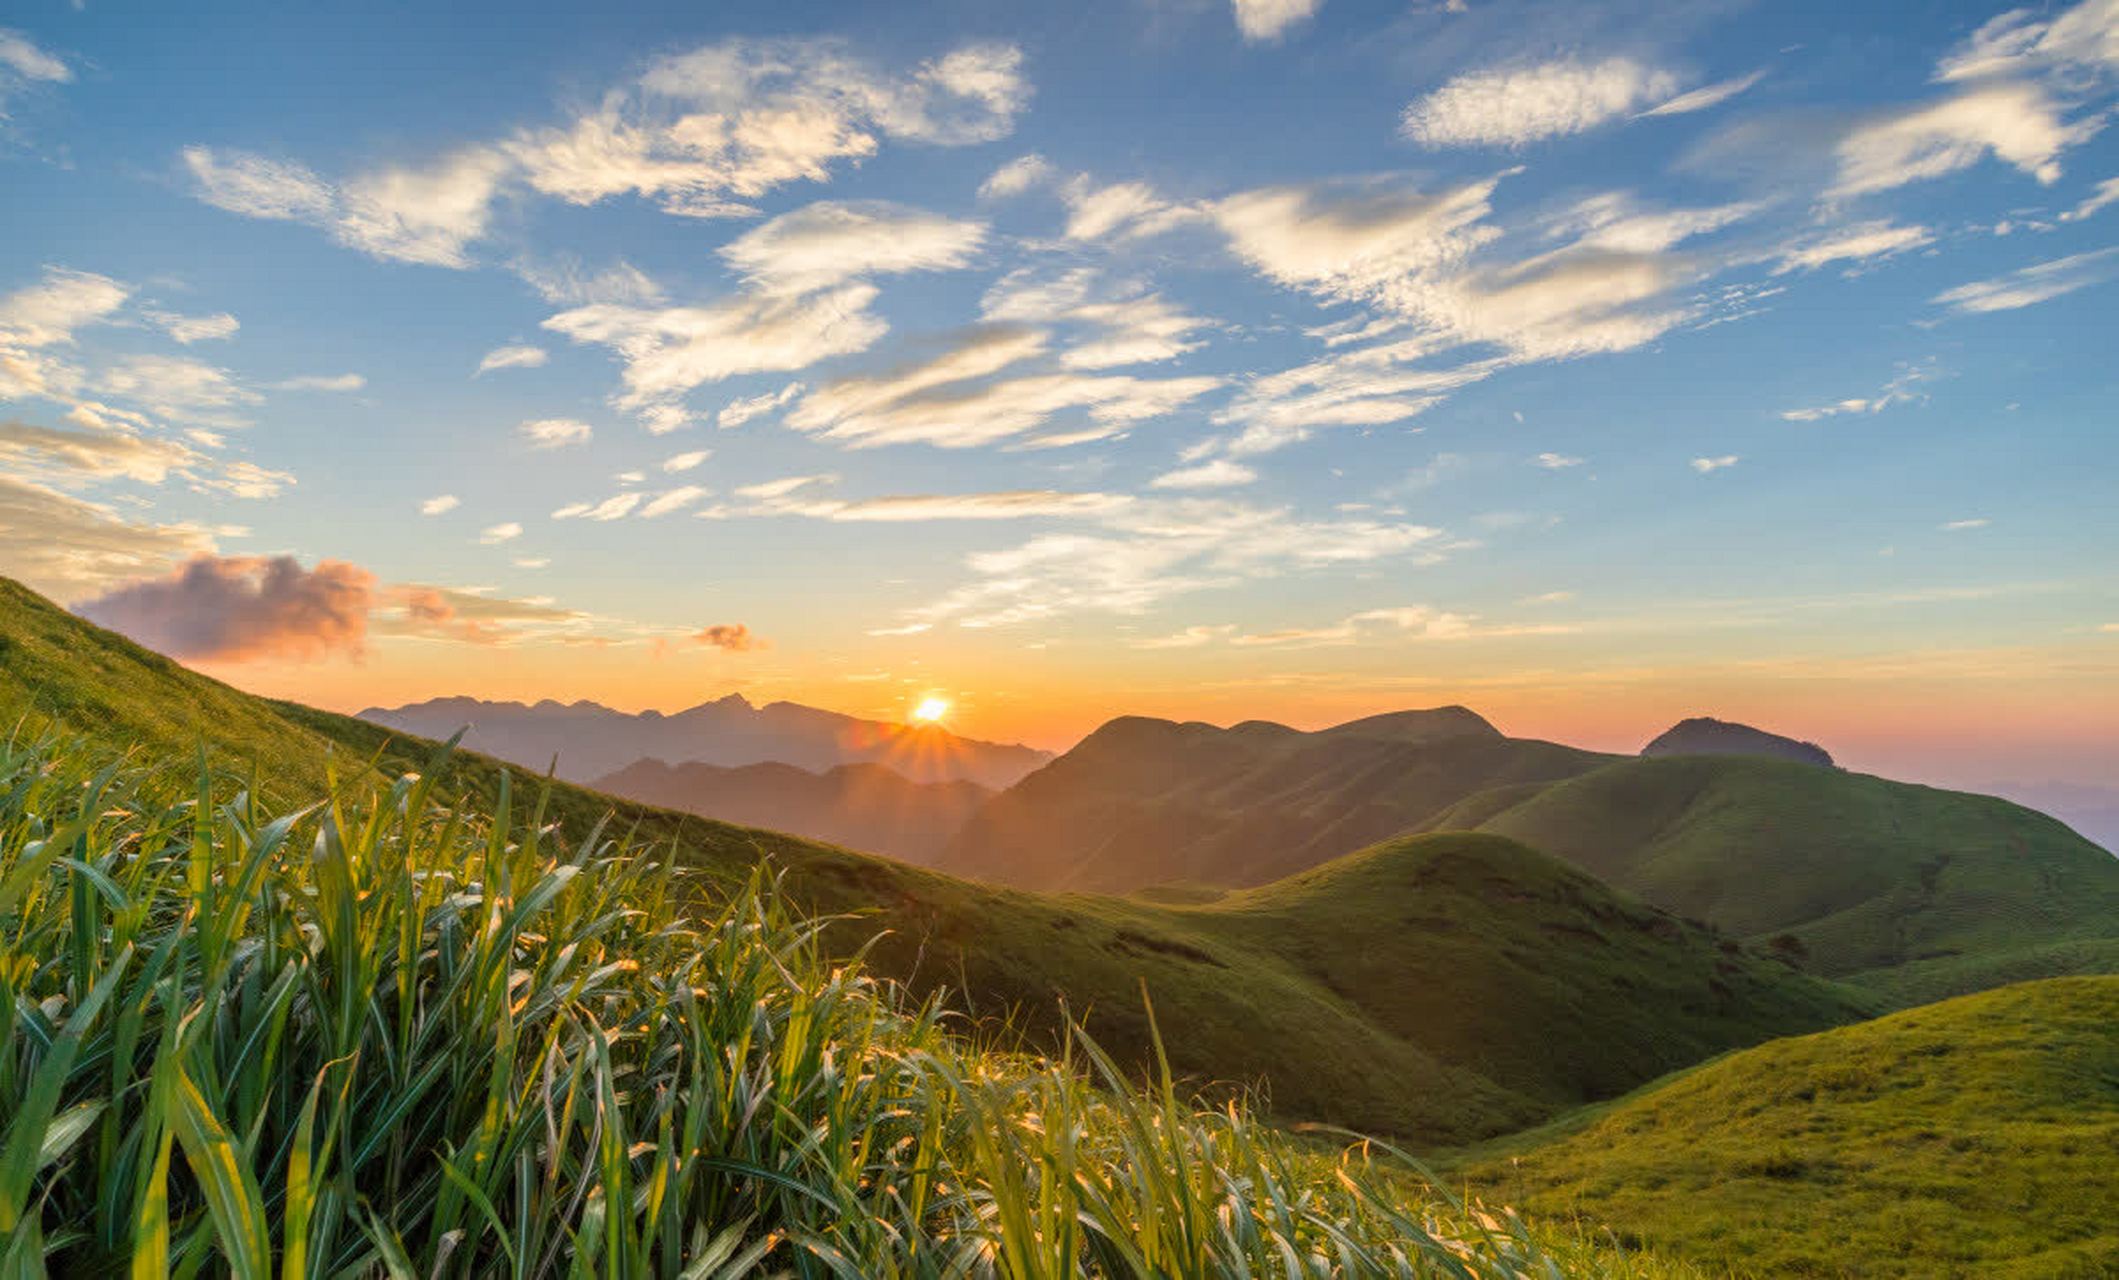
pixel 1142 802
pixel 1240 999
pixel 1978 1137
pixel 1905 887
pixel 387 1038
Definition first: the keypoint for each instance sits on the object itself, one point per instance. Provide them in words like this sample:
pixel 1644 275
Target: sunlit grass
pixel 389 1037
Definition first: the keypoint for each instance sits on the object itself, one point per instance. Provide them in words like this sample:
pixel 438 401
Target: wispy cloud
pixel 512 358
pixel 1722 463
pixel 1262 20
pixel 555 433
pixel 2040 282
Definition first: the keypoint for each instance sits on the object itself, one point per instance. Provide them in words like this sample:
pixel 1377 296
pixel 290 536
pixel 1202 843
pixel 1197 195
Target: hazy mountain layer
pixel 590 740
pixel 870 807
pixel 1143 802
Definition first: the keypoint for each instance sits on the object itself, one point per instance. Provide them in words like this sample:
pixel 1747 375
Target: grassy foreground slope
pixel 375 1036
pixel 1916 891
pixel 1243 996
pixel 1977 1137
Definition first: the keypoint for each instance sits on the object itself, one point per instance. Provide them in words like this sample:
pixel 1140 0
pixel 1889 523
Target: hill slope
pixel 590 740
pixel 1143 802
pixel 1975 1137
pixel 863 806
pixel 1916 890
pixel 1245 990
pixel 1707 736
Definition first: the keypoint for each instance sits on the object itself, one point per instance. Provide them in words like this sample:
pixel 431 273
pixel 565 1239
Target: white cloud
pixel 1518 106
pixel 94 452
pixel 20 56
pixel 2084 38
pixel 707 130
pixel 1125 326
pixel 1705 97
pixel 956 399
pixel 566 282
pixel 1148 552
pixel 1013 504
pixel 189 329
pixel 69 548
pixel 783 486
pixel 1407 622
pixel 2040 282
pixel 685 461
pixel 1858 242
pixel 1219 473
pixel 440 504
pixel 737 412
pixel 616 507
pixel 1707 465
pixel 177 387
pixel 1194 637
pixel 661 419
pixel 1556 461
pixel 2106 195
pixel 47 313
pixel 669 351
pixel 1902 389
pixel 1120 211
pixel 425 214
pixel 499 533
pixel 2018 124
pixel 671 500
pixel 323 382
pixel 555 433
pixel 1957 526
pixel 1369 387
pixel 1270 19
pixel 1016 177
pixel 829 242
pixel 512 358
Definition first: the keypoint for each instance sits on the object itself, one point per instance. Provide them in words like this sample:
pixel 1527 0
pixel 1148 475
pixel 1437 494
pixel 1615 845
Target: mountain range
pixel 861 806
pixel 586 740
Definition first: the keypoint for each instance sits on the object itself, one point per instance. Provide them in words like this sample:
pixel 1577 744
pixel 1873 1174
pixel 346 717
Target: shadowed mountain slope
pixel 1142 802
pixel 862 806
pixel 1706 736
pixel 589 740
pixel 1977 1137
pixel 1302 989
pixel 1914 890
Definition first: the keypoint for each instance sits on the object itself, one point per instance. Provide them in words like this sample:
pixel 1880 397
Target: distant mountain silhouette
pixel 1707 736
pixel 870 807
pixel 590 740
pixel 1144 802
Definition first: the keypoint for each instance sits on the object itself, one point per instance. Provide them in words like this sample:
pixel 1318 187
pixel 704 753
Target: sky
pixel 1588 363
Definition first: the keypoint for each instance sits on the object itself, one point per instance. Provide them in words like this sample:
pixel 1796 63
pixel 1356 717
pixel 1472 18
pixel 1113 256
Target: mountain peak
pixel 1707 736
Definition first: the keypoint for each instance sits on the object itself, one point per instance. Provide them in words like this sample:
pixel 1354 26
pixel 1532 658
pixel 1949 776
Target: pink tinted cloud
pixel 232 608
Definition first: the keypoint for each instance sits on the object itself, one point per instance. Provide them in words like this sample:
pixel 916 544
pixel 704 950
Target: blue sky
pixel 1585 363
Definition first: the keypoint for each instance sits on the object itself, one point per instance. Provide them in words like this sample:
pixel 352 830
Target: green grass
pixel 1347 1005
pixel 1977 1137
pixel 379 1036
pixel 1913 891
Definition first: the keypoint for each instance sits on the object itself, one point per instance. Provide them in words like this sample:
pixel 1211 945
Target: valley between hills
pixel 1722 1002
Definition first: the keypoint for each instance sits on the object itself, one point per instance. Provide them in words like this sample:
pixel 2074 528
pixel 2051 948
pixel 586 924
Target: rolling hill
pixel 1312 990
pixel 862 806
pixel 1707 736
pixel 589 740
pixel 1977 1137
pixel 1916 891
pixel 1142 802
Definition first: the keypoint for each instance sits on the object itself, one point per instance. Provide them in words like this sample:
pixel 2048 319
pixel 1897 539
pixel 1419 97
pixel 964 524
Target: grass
pixel 1976 1137
pixel 381 1035
pixel 1344 1004
pixel 1912 891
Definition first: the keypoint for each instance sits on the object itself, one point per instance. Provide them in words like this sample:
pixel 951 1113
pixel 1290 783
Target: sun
pixel 931 710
